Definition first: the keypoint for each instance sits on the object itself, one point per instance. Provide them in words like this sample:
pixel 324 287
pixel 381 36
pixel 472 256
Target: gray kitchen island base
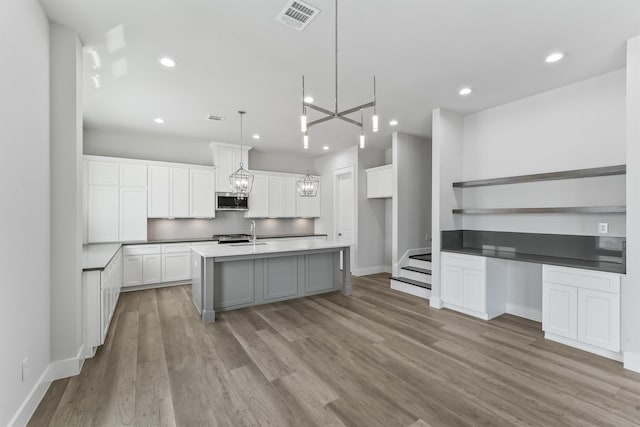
pixel 222 283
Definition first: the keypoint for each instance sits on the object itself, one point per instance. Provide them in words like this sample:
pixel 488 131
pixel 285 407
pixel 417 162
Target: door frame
pixel 334 226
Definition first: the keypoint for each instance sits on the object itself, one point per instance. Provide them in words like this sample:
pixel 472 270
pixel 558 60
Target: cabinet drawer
pixel 142 249
pixel 471 262
pixel 174 248
pixel 585 279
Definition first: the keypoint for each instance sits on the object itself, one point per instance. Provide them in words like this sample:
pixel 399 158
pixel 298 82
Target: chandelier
pixel 307 186
pixel 336 113
pixel 241 180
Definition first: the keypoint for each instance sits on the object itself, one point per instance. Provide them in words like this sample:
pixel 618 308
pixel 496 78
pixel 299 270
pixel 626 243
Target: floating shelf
pixel 549 176
pixel 570 209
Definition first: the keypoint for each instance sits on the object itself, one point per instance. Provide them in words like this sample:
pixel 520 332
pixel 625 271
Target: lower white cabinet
pixel 582 308
pixel 151 269
pixel 176 267
pixel 473 285
pixel 132 270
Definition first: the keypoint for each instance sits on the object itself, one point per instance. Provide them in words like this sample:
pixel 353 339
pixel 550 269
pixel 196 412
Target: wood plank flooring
pixel 377 358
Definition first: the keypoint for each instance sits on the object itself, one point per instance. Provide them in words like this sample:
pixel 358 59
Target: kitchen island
pixel 227 277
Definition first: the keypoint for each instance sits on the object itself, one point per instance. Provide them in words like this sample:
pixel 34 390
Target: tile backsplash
pixel 224 223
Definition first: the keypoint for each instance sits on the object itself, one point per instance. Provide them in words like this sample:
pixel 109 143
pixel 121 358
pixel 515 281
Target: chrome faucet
pixel 253 229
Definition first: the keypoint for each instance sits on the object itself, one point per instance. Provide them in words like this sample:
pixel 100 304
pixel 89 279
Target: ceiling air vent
pixel 297 14
pixel 215 118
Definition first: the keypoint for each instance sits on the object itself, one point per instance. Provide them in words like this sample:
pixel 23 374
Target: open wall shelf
pixel 569 209
pixel 549 176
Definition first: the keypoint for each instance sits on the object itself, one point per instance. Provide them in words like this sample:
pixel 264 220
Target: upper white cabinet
pixel 158 192
pixel 103 214
pixel 226 158
pixel 582 308
pixel 132 175
pixel 202 193
pixel 103 173
pixel 380 182
pixel 308 207
pixel 133 214
pixel 259 197
pixel 179 192
pixel 282 202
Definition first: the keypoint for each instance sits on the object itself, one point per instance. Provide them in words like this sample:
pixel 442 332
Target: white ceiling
pixel 233 55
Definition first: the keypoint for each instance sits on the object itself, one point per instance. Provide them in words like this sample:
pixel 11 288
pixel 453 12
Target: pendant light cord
pixel 336 100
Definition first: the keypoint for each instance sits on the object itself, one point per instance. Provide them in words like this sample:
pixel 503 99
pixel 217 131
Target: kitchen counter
pixel 610 267
pixel 238 275
pixel 96 256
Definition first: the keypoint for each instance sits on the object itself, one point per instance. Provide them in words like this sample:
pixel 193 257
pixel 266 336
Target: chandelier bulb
pixel 361 140
pixel 303 123
pixel 306 141
pixel 374 123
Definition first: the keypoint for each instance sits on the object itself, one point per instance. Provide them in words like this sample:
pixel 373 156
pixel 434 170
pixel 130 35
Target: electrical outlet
pixel 25 369
pixel 603 227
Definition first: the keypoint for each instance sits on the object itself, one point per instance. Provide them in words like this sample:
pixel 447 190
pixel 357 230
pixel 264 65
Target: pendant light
pixel 336 113
pixel 307 186
pixel 241 180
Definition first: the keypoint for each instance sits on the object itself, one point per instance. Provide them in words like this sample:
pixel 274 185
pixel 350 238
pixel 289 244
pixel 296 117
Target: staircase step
pixel 421 257
pixel 417 270
pixel 412 282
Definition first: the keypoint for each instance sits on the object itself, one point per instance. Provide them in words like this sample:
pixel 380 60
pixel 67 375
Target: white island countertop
pixel 261 248
pixel 97 256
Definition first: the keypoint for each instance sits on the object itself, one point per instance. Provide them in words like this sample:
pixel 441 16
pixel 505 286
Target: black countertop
pixel 610 267
pixel 211 239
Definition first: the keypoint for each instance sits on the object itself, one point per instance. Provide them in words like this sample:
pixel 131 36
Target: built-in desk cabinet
pixel 582 308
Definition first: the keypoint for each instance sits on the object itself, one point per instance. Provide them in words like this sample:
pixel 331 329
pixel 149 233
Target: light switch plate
pixel 603 227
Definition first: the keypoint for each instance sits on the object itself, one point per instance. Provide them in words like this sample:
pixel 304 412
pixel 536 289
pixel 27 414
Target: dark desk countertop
pixel 610 267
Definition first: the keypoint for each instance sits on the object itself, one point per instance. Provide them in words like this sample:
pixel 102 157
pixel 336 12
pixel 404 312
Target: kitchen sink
pixel 248 244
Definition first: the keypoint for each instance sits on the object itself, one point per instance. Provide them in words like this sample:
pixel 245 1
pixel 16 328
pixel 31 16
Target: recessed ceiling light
pixel 326 147
pixel 555 57
pixel 167 62
pixel 465 91
pixel 393 122
pixel 159 120
pixel 256 136
pixel 309 99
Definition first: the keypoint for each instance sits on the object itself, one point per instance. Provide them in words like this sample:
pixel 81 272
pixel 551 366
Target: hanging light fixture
pixel 307 186
pixel 337 114
pixel 241 180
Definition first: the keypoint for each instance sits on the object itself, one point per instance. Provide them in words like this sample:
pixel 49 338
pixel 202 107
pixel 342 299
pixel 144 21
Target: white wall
pixel 280 162
pixel 412 195
pixel 371 218
pixel 447 168
pixel 147 146
pixel 24 218
pixel 631 285
pixel 66 201
pixel 573 127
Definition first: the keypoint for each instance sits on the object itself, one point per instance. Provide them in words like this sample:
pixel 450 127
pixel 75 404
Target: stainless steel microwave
pixel 231 202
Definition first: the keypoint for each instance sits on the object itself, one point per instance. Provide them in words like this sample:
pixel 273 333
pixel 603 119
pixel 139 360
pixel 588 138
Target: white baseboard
pixel 67 367
pixel 387 269
pixel 154 286
pixel 632 361
pixel 369 270
pixel 526 312
pixel 30 404
pixel 586 347
pixel 436 302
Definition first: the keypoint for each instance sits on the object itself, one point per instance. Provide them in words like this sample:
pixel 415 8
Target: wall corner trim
pixel 632 361
pixel 435 302
pixel 66 367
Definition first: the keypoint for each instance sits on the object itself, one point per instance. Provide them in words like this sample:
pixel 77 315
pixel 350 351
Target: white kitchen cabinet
pixel 307 207
pixel 176 267
pixel 599 319
pixel 133 214
pixel 151 269
pixel 202 193
pixel 581 308
pixel 103 214
pixel 179 192
pixel 380 182
pixel 103 173
pixel 282 202
pixel 133 175
pixel 226 158
pixel 259 198
pixel 474 285
pixel 559 310
pixel 158 192
pixel 132 270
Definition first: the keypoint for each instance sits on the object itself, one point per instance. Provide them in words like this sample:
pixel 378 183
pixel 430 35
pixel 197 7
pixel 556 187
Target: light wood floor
pixel 378 358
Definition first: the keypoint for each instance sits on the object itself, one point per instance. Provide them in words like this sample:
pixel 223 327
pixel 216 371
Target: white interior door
pixel 344 208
